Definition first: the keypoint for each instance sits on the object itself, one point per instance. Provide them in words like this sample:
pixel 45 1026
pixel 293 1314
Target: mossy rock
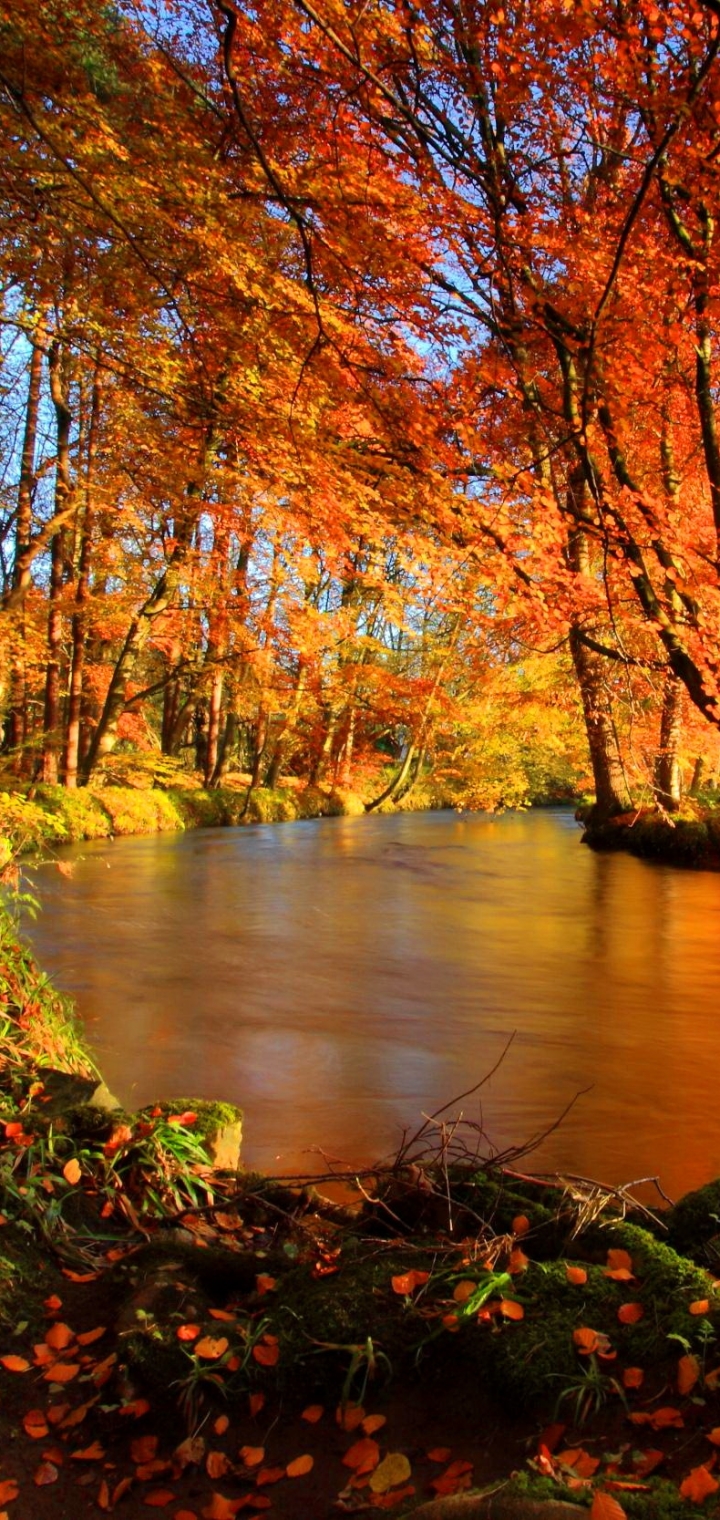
pixel 314 803
pixel 217 1126
pixel 346 804
pixel 694 1225
pixel 268 805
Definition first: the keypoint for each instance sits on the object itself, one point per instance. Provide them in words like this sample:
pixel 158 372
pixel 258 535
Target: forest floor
pixel 177 1334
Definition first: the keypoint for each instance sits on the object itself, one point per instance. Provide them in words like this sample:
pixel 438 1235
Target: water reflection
pixel 339 978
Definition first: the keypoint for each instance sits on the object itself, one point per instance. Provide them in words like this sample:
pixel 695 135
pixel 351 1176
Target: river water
pixel 338 979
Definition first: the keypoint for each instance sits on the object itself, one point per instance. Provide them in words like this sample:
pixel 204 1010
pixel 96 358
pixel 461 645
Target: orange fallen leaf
pixel 300 1466
pixel 450 1322
pixel 618 1260
pixel 373 1422
pixel 220 1508
pixel 363 1455
pixel 79 1277
pixel 256 1402
pixel 398 1496
pixel 252 1456
pixel 184 1514
pixel 223 1314
pixel 88 1337
pixel 630 1314
pixel 221 1424
pixel 62 1372
pixel 59 1336
pixel 688 1373
pixel 52 1304
pixel 576 1275
pixel 121 1488
pixel 187 1332
pixel 313 1413
pixel 264 1355
pixel 520 1224
pixel 265 1284
pixel 586 1340
pixel 93 1453
pixel 211 1349
pixel 136 1407
pixel 698 1484
pixel 35 1424
pixel 269 1475
pixel 605 1507
pixel 46 1473
pixel 633 1377
pixel 144 1448
pixel 714 1435
pixel 439 1454
pixel 103 1498
pixel 647 1462
pixel 72 1171
pixel 700 1306
pixel 665 1418
pixel 349 1416
pixel 464 1291
pixel 511 1309
pixel 159 1497
pixel 518 1262
pixel 75 1417
pixel 406 1282
pixel 9 1490
pixel 217 1464
pixel 15 1363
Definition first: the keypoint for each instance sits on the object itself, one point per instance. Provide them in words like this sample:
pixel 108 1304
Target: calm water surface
pixel 336 979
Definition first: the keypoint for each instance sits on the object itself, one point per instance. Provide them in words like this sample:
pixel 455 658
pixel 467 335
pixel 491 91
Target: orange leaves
pixel 688 1372
pixel 72 1171
pixel 373 1422
pixel 592 1342
pixel 605 1507
pixel 406 1282
pixel 159 1498
pixel 313 1413
pixel 59 1336
pixel 509 1308
pixel 266 1352
pixel 630 1314
pixel 46 1473
pixel 633 1377
pixel 698 1484
pixel 211 1348
pixel 576 1275
pixel 35 1424
pixel 143 1449
pixel 665 1418
pixel 265 1284
pixel 464 1290
pixel 62 1372
pixel 700 1306
pixel 456 1478
pixel 187 1332
pixel 14 1363
pixel 9 1490
pixel 619 1266
pixel 300 1466
pixel 252 1456
pixel 349 1416
pixel 520 1224
pixel 363 1455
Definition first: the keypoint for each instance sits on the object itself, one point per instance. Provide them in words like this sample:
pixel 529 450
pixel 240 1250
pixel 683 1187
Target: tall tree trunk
pixel 63 500
pixel 612 795
pixel 71 756
pixel 17 716
pixel 668 775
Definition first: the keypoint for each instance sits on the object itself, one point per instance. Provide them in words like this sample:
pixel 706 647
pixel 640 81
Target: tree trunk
pixel 71 756
pixel 17 716
pixel 397 782
pixel 63 500
pixel 611 790
pixel 668 775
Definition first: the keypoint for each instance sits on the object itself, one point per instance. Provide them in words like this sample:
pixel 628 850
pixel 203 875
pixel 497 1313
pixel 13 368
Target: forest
pixel 359 383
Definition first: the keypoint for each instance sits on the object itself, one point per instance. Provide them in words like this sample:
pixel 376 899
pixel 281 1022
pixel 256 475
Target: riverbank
pixel 690 840
pixel 178 1334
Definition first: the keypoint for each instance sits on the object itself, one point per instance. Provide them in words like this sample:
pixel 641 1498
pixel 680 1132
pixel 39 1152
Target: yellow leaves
pixel 390 1473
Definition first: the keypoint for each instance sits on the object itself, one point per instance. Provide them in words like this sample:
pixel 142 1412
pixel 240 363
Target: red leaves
pixel 698 1484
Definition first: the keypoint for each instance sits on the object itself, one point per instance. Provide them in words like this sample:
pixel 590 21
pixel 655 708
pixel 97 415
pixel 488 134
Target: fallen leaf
pixel 46 1473
pixel 518 1262
pixel 93 1453
pixel 220 1508
pixel 391 1472
pixel 630 1314
pixel 269 1475
pixel 586 1340
pixel 300 1466
pixel 618 1260
pixel 15 1363
pixel 103 1498
pixel 698 1484
pixel 349 1416
pixel 605 1507
pixel 53 1303
pixel 265 1284
pixel 211 1349
pixel 223 1314
pixel 62 1372
pixel 188 1332
pixel 633 1377
pixel 72 1171
pixel 256 1402
pixel 136 1407
pixel 398 1496
pixel 9 1490
pixel 264 1355
pixel 665 1418
pixel 647 1462
pixel 439 1454
pixel 511 1309
pixel 217 1464
pixel 190 1451
pixel 88 1337
pixel 79 1277
pixel 406 1282
pixel 688 1373
pixel 373 1422
pixel 313 1413
pixel 464 1291
pixel 144 1448
pixel 220 1425
pixel 520 1224
pixel 576 1275
pixel 363 1455
pixel 159 1497
pixel 252 1456
pixel 59 1336
pixel 700 1306
pixel 35 1424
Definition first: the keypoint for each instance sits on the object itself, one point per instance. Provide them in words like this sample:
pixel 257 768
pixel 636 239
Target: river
pixel 338 979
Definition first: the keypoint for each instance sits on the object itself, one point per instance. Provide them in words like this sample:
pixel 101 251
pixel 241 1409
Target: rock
pixel 64 1090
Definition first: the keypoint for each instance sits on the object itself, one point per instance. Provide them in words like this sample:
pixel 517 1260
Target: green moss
pixel 346 804
pixel 80 812
pixel 662 1500
pixel 139 812
pixel 694 1224
pixel 681 841
pixel 271 806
